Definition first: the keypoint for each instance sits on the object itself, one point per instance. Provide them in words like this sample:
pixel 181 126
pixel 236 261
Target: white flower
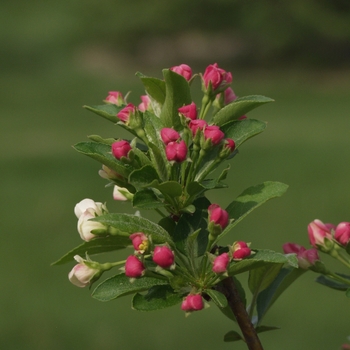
pixel 82 206
pixel 81 274
pixel 121 194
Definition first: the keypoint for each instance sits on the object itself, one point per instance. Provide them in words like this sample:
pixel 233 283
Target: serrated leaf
pixel 242 130
pixel 102 153
pixel 157 298
pixel 120 285
pixel 268 297
pixel 232 336
pixel 107 111
pixel 238 108
pixel 177 95
pixel 218 298
pixel 259 259
pixel 250 199
pixel 146 199
pixel 128 224
pixel 154 87
pixel 95 246
pixel 170 188
pixel 144 177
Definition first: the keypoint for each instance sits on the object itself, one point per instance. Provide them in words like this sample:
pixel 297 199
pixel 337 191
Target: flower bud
pixel 121 194
pixel 218 215
pixel 81 275
pixel 87 203
pixel 176 151
pixel 196 124
pixel 220 263
pixel 86 226
pixel 213 133
pixel 318 232
pixel 145 104
pixel 139 241
pixel 226 97
pixel 342 233
pixel 163 256
pixel 121 149
pixel 306 257
pixel 109 174
pixel 134 267
pixel 169 135
pixel 126 112
pixel 184 70
pixel 230 144
pixel 115 97
pixel 240 250
pixel 189 111
pixel 193 302
pixel 218 78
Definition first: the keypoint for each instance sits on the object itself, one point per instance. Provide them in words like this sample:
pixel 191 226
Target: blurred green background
pixel 57 56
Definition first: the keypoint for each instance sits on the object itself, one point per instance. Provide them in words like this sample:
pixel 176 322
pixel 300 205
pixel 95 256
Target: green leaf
pixel 268 296
pixel 99 139
pixel 250 199
pixel 107 111
pixel 238 108
pixel 177 95
pixel 146 199
pixel 102 153
pixel 154 87
pixel 241 130
pixel 218 298
pixel 232 336
pixel 120 285
pixel 144 177
pixel 95 246
pixel 259 259
pixel 170 188
pixel 128 224
pixel 326 281
pixel 157 298
pixel 261 329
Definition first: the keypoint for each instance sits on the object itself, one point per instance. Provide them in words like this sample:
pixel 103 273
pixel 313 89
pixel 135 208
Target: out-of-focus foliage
pixel 243 32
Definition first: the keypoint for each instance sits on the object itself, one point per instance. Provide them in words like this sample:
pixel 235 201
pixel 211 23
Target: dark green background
pixel 57 56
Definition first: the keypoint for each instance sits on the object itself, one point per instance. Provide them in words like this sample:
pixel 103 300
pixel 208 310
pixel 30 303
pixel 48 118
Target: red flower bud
pixel 169 135
pixel 218 215
pixel 143 106
pixel 217 76
pixel 121 149
pixel 220 263
pixel 306 257
pixel 240 250
pixel 213 133
pixel 176 151
pixel 124 114
pixel 189 111
pixel 163 256
pixel 184 70
pixel 196 124
pixel 139 241
pixel 229 143
pixel 342 233
pixel 318 231
pixel 115 97
pixel 134 267
pixel 193 302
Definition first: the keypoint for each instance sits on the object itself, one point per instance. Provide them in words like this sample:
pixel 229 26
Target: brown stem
pixel 242 317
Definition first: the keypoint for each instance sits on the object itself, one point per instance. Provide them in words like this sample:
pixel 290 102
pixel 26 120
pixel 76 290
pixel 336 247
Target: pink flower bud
pixel 342 233
pixel 318 231
pixel 163 256
pixel 115 97
pixel 242 117
pixel 306 257
pixel 134 267
pixel 121 194
pixel 169 135
pixel 176 151
pixel 139 241
pixel 81 274
pixel 218 77
pixel 229 143
pixel 193 302
pixel 189 111
pixel 230 96
pixel 121 149
pixel 184 70
pixel 143 106
pixel 213 133
pixel 218 215
pixel 240 250
pixel 220 263
pixel 126 112
pixel 196 124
